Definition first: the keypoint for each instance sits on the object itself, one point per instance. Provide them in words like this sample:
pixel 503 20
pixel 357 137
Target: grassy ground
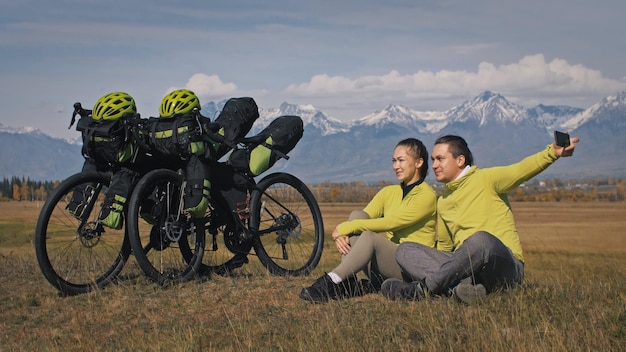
pixel 573 299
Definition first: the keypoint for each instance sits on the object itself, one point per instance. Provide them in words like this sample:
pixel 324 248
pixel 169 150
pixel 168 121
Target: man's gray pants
pixel 481 259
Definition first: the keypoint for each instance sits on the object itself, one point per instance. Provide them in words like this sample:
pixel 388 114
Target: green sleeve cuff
pixel 551 152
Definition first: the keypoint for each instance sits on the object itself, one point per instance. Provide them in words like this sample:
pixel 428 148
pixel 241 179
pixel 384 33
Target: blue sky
pixel 347 58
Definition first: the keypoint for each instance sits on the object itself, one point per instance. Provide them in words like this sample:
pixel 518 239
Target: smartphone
pixel 561 139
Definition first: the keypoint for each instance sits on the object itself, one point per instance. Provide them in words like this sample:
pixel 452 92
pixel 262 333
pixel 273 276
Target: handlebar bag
pixel 175 138
pixel 108 142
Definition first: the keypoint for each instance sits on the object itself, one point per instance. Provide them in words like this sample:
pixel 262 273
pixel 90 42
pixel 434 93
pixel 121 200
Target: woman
pixel 401 213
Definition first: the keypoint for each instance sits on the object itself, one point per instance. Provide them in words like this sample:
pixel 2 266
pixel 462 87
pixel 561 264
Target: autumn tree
pixel 16 191
pixel 24 191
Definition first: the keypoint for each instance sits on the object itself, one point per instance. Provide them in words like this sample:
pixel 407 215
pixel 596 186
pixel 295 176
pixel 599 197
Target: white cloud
pixel 207 87
pixel 346 58
pixel 532 75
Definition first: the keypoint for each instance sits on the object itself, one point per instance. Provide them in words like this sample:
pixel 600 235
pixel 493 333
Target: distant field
pixel 573 299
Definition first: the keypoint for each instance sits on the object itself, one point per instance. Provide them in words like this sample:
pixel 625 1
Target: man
pixel 478 249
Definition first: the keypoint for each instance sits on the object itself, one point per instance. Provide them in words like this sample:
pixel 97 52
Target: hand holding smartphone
pixel 561 139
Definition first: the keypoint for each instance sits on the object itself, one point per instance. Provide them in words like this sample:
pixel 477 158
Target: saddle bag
pixel 235 121
pixel 281 136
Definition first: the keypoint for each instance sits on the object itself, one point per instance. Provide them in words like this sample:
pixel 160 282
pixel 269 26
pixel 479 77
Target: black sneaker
pixel 395 289
pixel 468 293
pixel 349 288
pixel 322 290
pixel 369 287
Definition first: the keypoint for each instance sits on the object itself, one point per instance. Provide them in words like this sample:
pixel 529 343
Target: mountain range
pixel 498 131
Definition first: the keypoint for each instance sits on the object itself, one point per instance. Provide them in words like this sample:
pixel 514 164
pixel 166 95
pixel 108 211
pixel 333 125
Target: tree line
pixel 599 189
pixel 25 189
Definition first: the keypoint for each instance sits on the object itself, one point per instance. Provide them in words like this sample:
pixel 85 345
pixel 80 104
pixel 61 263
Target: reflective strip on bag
pixel 170 133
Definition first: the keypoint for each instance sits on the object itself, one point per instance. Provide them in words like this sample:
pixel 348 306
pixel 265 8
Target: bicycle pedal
pixel 238 262
pixel 242 209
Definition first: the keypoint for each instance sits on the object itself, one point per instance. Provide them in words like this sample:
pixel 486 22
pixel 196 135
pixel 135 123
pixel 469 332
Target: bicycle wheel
pixel 75 252
pixel 289 224
pixel 167 244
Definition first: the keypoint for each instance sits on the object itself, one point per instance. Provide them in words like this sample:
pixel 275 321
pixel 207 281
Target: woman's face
pixel 405 165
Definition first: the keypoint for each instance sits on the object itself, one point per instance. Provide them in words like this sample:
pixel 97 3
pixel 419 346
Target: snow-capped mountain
pixel 34 132
pixel 424 122
pixel 310 115
pixel 28 152
pixel 486 107
pixel 19 130
pixel 553 117
pixel 610 107
pixel 498 132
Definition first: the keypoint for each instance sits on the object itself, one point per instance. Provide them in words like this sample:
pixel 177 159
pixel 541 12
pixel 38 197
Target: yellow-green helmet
pixel 113 106
pixel 178 102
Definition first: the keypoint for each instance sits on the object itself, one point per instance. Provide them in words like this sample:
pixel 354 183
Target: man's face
pixel 445 165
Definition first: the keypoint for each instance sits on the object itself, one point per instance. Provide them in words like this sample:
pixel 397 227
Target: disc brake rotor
pixel 90 234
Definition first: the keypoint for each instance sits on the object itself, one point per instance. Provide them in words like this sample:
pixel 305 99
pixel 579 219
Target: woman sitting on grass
pixel 369 239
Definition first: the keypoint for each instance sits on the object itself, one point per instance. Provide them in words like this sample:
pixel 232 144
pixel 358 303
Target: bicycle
pixel 75 252
pixel 282 223
pixel 72 251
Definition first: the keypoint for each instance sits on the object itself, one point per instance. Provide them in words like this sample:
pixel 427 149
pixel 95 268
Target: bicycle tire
pixel 168 245
pixel 78 255
pixel 288 221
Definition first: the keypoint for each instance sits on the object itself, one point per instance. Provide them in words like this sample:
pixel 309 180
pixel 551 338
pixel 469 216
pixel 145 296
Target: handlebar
pixel 78 110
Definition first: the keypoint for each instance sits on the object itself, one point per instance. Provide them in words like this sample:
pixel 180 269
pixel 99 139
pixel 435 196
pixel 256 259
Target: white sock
pixel 336 279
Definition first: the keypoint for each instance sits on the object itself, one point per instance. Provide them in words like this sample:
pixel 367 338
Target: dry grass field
pixel 573 299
